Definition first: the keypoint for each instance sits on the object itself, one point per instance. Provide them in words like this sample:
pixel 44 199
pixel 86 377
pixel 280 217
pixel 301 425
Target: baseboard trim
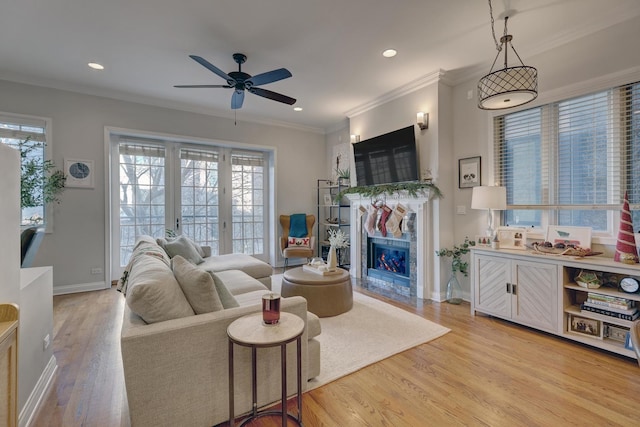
pixel 80 287
pixel 36 397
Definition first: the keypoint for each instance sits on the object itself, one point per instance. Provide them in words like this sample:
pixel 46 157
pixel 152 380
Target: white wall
pixel 9 225
pixel 77 243
pixel 583 66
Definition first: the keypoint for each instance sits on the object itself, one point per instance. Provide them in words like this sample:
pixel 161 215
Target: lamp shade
pixel 486 197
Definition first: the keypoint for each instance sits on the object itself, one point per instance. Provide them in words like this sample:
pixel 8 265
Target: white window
pixel 32 133
pixel 571 162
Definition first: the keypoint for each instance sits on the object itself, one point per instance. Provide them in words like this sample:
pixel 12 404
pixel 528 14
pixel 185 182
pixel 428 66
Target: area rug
pixel 371 331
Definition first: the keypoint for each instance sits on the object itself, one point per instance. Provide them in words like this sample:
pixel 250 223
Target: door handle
pixel 177 224
pixel 508 287
pixel 513 289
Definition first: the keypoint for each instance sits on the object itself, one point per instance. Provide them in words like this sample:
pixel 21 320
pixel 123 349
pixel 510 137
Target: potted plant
pixel 454 292
pixel 338 239
pixel 40 181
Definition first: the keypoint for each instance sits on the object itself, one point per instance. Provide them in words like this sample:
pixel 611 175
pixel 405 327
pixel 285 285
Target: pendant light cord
pixel 493 31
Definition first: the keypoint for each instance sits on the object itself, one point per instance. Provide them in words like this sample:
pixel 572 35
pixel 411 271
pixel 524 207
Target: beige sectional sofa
pixel 175 361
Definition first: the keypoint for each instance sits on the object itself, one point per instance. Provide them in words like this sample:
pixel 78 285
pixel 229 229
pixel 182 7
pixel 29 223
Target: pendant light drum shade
pixel 508 87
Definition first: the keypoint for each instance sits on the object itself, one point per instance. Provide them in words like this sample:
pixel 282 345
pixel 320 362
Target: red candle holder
pixel 271 309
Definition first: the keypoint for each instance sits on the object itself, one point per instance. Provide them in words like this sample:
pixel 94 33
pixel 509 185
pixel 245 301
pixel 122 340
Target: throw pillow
pixel 181 246
pixel 162 242
pixel 227 299
pixel 299 241
pixel 197 286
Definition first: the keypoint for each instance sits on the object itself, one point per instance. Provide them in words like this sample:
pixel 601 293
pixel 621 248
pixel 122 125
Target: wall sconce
pixel 355 138
pixel 423 120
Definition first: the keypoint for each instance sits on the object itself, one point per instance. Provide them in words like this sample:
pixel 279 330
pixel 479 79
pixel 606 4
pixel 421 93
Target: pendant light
pixel 509 86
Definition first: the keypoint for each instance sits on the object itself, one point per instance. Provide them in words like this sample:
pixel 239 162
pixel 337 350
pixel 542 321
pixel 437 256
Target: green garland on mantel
pixel 412 188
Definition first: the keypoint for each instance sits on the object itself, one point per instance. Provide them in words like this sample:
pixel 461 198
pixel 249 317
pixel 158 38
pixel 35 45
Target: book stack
pixel 607 305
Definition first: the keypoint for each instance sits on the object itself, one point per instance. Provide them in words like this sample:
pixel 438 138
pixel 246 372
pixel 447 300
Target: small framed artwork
pixel 512 237
pixel 579 236
pixel 79 173
pixel 483 241
pixel 469 172
pixel 585 326
pixel 327 199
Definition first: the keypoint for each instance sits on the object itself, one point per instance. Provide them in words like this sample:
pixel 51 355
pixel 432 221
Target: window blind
pixel 577 154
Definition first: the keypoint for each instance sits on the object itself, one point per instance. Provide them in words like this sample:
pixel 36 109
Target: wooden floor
pixel 485 372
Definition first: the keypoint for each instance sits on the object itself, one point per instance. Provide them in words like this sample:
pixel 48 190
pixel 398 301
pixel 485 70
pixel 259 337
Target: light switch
pixel 461 210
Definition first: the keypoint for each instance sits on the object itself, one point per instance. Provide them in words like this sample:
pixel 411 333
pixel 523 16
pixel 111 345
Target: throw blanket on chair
pixel 298 226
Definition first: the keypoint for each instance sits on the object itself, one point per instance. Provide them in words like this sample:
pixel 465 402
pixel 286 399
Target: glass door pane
pixel 199 209
pixel 248 202
pixel 141 195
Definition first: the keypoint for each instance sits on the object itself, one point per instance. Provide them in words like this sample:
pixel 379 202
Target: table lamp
pixel 489 198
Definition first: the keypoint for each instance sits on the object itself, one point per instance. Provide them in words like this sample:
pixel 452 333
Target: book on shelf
pixel 617 309
pixel 608 298
pixel 624 316
pixel 629 304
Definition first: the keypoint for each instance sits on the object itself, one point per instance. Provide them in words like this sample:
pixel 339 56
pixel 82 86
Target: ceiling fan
pixel 241 81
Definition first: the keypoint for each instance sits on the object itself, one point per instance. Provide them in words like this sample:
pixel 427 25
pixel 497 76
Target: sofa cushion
pixel 313 325
pixel 197 286
pixel 250 265
pixel 153 293
pixel 238 282
pixel 183 247
pixel 228 301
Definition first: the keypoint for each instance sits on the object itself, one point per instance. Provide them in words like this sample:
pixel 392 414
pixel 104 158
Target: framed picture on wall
pixel 79 173
pixel 469 172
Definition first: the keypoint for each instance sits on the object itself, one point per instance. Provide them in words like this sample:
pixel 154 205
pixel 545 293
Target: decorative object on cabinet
pixel 469 172
pixel 588 279
pixel 583 325
pixel 577 236
pixel 483 241
pixel 489 198
pixel 626 250
pixel 374 191
pixel 629 285
pixel 512 237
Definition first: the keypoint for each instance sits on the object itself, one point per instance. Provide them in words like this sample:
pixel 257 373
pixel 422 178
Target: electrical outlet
pixel 96 270
pixel 46 342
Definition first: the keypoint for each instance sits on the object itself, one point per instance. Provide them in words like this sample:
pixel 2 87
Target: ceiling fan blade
pixel 272 95
pixel 237 99
pixel 213 68
pixel 269 77
pixel 201 86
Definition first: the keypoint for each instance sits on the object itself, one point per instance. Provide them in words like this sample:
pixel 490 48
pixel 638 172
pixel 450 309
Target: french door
pixel 214 195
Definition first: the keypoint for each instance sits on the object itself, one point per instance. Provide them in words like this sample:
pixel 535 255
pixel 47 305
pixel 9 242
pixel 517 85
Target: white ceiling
pixel 332 47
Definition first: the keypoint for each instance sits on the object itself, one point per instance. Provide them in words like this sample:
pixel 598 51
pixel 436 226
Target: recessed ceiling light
pixel 95 66
pixel 297 108
pixel 389 53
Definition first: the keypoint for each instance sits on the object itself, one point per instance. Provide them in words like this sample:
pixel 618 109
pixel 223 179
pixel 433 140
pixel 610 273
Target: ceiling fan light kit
pixel 510 86
pixel 241 81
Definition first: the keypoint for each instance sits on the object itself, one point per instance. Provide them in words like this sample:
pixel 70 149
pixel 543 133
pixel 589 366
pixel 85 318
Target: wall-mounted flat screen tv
pixel 387 158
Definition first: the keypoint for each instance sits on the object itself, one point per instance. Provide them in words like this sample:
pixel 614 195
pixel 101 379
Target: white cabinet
pixel 518 290
pixel 540 291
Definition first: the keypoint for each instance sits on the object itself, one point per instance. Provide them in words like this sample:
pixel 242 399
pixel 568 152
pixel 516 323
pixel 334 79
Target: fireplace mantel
pixel 418 205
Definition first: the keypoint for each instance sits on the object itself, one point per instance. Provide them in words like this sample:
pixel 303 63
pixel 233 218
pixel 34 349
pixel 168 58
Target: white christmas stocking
pixel 395 219
pixel 370 222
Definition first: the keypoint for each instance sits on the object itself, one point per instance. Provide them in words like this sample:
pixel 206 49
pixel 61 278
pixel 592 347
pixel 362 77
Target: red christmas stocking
pixel 386 211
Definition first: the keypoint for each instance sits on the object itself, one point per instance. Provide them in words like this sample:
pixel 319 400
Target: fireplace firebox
pixel 388 260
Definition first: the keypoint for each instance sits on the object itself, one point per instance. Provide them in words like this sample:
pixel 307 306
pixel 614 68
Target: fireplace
pixel 388 260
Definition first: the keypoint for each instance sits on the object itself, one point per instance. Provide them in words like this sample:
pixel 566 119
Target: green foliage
pixel 343 173
pixel 456 253
pixel 40 181
pixel 413 188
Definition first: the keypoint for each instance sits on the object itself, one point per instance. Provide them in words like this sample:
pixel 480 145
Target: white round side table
pixel 249 331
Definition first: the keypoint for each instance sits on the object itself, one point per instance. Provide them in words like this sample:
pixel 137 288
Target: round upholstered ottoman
pixel 326 296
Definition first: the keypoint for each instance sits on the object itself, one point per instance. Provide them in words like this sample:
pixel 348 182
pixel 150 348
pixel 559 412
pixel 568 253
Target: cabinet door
pixel 492 276
pixel 536 295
